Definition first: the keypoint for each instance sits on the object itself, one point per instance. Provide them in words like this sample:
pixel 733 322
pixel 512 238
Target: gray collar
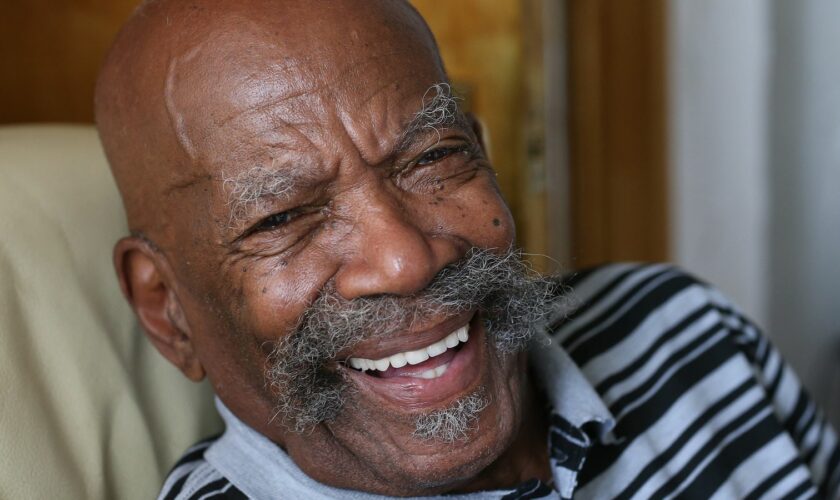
pixel 262 470
pixel 571 395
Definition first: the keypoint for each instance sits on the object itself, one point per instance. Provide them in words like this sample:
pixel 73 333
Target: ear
pixel 480 132
pixel 146 282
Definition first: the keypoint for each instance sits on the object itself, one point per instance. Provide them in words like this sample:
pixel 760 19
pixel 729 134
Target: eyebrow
pixel 439 110
pixel 248 187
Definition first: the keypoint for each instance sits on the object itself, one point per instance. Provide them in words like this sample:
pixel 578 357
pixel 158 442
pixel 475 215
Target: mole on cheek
pixel 496 222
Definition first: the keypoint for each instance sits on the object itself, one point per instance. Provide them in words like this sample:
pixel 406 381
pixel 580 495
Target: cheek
pixel 227 351
pixel 275 294
pixel 480 216
pixel 260 303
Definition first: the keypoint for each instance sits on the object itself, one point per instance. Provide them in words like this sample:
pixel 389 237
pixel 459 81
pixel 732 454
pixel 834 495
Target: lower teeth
pixel 428 374
pixel 434 372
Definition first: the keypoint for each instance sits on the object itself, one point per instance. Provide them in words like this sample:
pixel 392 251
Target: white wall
pixel 804 302
pixel 755 137
pixel 719 64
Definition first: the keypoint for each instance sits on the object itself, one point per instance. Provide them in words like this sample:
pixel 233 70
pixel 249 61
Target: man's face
pixel 348 174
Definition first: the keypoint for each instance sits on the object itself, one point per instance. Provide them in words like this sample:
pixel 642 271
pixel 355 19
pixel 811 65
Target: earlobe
pixel 145 281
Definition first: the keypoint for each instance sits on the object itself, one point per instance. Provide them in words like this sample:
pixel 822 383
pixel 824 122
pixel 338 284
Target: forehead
pixel 249 96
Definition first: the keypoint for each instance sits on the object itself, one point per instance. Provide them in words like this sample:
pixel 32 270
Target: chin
pixel 376 431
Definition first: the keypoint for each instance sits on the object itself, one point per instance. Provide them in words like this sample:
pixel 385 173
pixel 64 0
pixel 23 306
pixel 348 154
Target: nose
pixel 392 252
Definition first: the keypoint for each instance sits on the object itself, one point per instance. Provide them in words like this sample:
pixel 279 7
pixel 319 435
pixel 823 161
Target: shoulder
pixel 611 284
pixel 609 304
pixel 644 334
pixel 696 390
pixel 649 336
pixel 193 477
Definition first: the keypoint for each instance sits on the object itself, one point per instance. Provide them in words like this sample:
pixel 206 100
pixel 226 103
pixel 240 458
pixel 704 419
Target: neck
pixel 527 457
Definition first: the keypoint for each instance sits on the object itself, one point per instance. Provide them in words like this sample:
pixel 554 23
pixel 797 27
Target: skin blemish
pixel 438 198
pixel 264 290
pixel 496 222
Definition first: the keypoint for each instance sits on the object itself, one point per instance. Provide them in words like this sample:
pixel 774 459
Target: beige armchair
pixel 87 408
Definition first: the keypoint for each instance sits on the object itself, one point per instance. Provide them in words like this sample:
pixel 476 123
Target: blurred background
pixel 706 133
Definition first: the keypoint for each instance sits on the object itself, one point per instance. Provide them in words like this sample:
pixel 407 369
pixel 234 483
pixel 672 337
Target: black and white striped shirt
pixel 662 389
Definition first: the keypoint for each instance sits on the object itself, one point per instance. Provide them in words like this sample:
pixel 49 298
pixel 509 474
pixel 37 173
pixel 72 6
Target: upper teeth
pixel 401 359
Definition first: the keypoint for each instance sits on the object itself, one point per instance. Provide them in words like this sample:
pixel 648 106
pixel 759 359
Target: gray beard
pixel 513 301
pixel 454 422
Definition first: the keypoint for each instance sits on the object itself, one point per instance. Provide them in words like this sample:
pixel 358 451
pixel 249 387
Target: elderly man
pixel 317 230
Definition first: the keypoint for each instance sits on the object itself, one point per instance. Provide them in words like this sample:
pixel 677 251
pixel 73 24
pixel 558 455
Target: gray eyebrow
pixel 439 110
pixel 247 188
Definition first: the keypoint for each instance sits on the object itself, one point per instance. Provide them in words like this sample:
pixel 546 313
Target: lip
pixel 379 348
pixel 411 393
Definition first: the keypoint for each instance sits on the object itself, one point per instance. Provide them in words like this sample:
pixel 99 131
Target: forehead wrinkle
pixel 351 72
pixel 275 124
pixel 266 105
pixel 369 125
pixel 205 96
pixel 320 82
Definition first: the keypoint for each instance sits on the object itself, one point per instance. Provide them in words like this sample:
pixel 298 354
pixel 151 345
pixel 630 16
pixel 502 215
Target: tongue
pixel 416 370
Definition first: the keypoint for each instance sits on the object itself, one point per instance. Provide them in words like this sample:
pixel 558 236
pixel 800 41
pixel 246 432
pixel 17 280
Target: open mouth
pixel 428 362
pixel 443 368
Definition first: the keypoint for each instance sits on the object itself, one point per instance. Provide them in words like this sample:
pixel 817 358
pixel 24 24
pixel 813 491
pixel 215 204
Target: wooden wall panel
pixel 50 51
pixel 617 123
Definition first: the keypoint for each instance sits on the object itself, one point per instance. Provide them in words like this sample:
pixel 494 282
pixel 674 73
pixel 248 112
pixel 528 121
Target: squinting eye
pixel 273 221
pixel 438 154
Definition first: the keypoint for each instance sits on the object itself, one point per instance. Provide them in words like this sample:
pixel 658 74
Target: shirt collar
pixel 570 394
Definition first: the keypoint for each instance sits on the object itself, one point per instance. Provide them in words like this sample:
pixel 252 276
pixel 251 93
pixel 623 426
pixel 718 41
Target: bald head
pixel 183 78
